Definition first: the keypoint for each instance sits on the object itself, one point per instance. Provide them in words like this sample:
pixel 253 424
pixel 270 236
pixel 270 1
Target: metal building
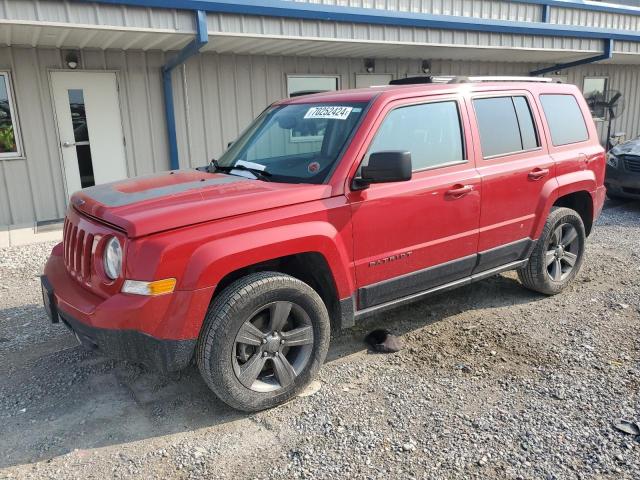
pixel 97 91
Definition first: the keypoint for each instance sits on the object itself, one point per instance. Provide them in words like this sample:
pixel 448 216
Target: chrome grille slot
pixel 632 163
pixel 78 251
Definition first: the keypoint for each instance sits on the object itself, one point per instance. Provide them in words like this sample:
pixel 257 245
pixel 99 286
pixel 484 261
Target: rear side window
pixel 565 119
pixel 431 132
pixel 505 125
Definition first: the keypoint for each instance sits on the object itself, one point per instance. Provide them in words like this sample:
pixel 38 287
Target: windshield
pixel 293 143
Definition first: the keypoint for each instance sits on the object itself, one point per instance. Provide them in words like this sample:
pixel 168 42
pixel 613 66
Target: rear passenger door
pixel 517 175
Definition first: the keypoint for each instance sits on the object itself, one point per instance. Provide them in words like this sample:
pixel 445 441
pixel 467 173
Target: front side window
pixel 565 119
pixel 505 125
pixel 296 143
pixel 431 132
pixel 9 134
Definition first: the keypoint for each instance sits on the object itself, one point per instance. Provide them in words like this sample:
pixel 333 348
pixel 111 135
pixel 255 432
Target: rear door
pixel 517 175
pixel 415 235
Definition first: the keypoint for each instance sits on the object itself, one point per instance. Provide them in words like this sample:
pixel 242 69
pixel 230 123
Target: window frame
pixel 606 87
pixel 463 140
pixel 543 113
pixel 17 132
pixel 337 77
pixel 536 127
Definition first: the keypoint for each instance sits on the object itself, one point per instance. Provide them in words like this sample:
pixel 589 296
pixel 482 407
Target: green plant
pixel 7 139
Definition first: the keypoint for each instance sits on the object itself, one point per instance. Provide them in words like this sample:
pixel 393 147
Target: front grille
pixel 632 163
pixel 78 247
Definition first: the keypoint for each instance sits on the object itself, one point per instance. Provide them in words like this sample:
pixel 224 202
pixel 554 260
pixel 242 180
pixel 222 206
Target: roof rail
pixel 465 79
pixel 459 79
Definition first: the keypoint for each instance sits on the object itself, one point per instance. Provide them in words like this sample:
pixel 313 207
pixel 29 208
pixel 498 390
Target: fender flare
pixel 214 260
pixel 573 182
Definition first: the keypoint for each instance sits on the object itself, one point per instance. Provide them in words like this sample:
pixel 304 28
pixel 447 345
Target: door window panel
pixel 505 124
pixel 9 135
pixel 565 119
pixel 431 132
pixel 498 125
pixel 525 121
pixel 81 137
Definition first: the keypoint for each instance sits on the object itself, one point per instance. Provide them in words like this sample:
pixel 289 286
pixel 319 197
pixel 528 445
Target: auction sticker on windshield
pixel 330 111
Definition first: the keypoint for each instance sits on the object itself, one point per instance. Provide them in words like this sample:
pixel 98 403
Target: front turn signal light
pixel 157 287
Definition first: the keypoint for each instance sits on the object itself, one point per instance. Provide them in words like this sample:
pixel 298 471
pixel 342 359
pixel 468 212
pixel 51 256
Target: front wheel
pixel 558 254
pixel 264 339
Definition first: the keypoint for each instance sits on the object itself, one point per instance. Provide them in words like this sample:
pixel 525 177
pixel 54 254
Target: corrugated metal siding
pixel 493 9
pixel 311 29
pixel 33 188
pixel 594 19
pixel 97 14
pixel 220 94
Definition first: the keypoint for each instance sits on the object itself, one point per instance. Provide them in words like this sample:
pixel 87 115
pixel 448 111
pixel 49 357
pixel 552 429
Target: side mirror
pixel 385 167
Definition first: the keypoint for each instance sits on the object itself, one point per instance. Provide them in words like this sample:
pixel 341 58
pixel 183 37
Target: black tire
pixel 217 349
pixel 540 275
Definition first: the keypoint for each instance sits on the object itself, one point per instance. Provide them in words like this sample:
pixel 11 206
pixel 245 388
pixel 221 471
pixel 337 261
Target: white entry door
pixel 90 128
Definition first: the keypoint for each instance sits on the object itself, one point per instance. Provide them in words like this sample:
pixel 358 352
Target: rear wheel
pixel 558 254
pixel 264 339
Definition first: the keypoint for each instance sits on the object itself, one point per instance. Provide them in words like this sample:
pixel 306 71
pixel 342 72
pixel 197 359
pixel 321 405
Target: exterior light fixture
pixel 426 66
pixel 72 60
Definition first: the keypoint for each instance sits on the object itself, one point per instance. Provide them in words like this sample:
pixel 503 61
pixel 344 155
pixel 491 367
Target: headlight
pixel 113 258
pixel 612 160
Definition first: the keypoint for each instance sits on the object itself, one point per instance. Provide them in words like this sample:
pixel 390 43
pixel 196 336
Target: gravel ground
pixel 494 382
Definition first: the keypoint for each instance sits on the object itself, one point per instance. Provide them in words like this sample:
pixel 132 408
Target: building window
pixel 298 85
pixel 9 132
pixel 593 90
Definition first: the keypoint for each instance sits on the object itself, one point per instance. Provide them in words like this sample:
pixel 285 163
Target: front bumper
pixel 622 183
pixel 160 332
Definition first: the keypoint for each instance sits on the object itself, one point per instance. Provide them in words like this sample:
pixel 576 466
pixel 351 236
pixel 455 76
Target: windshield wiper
pixel 260 174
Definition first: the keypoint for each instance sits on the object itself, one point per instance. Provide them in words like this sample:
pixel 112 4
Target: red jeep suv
pixel 328 208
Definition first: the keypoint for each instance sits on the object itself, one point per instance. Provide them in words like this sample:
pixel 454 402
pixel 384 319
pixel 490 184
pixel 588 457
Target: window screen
pixel 505 124
pixel 431 132
pixel 565 119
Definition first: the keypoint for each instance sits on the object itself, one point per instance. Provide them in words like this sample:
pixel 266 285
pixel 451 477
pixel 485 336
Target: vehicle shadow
pixel 56 397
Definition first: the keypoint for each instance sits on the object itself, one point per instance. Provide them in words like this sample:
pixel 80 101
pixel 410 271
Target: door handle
pixel 459 191
pixel 538 173
pixel 69 144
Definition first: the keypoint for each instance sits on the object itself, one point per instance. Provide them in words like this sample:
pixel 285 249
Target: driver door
pixel 416 235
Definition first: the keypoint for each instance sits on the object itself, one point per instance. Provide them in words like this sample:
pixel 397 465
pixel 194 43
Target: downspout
pixel 201 39
pixel 606 55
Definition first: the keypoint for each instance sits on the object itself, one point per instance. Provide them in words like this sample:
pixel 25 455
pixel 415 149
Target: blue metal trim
pixel 210 5
pixel 201 39
pixel 607 55
pixel 312 11
pixel 545 13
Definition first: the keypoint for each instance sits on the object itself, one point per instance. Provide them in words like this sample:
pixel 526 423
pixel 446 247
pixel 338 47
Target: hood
pixel 154 203
pixel 632 147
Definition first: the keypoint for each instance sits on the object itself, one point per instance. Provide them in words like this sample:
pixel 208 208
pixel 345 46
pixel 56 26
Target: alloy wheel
pixel 562 252
pixel 273 346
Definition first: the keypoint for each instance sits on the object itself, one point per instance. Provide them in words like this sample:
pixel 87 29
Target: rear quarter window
pixel 565 119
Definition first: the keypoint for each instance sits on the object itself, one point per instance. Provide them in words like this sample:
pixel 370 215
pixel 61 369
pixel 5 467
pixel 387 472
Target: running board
pixel 383 307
